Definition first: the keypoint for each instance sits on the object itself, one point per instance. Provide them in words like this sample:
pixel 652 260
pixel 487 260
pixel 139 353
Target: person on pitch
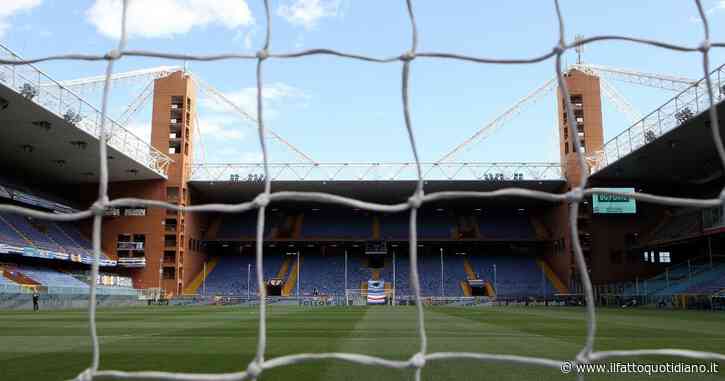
pixel 36 299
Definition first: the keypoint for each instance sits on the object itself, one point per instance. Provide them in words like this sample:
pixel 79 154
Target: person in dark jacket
pixel 36 299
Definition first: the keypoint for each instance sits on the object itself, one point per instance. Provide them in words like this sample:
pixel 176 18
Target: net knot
pixel 86 375
pixel 559 49
pixel 261 200
pixel 704 46
pixel 254 369
pixel 722 197
pixel 575 195
pixel 408 56
pixel 99 207
pixel 263 54
pixel 583 358
pixel 113 54
pixel 418 360
pixel 416 200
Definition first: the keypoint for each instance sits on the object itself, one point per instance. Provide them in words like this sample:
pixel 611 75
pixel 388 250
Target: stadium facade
pixel 53 166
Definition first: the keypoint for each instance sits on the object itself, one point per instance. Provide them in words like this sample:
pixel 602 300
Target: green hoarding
pixel 614 204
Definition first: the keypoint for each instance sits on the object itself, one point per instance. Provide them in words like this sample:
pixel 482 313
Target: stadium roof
pixel 685 155
pixel 35 141
pixel 375 191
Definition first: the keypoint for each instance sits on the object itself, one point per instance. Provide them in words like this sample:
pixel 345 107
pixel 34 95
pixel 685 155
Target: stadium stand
pixel 429 268
pixel 453 274
pixel 59 237
pixel 340 224
pixel 63 239
pixel 77 238
pixel 31 233
pixel 505 226
pixel 429 272
pixel 244 225
pixel 229 276
pixel 358 273
pixel 20 192
pixel 712 283
pixel 326 273
pixel 467 228
pixel 436 225
pixel 10 235
pixel 681 279
pixel 516 275
pixel 23 232
pixel 5 281
pixel 402 275
pixel 395 226
pixel 50 277
pixel 681 224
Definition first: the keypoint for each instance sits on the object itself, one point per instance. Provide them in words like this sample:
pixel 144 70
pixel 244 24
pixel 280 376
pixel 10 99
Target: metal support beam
pixel 619 101
pixel 220 97
pixel 494 172
pixel 501 119
pixel 137 104
pixel 658 81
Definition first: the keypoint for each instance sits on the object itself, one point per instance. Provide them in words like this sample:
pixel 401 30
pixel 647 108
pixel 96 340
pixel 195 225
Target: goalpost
pixel 419 356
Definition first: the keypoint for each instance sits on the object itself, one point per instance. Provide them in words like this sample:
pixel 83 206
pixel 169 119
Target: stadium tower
pixel 586 100
pixel 169 237
pixel 585 95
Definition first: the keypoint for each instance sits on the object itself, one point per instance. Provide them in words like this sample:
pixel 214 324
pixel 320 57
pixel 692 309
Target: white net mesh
pixel 418 359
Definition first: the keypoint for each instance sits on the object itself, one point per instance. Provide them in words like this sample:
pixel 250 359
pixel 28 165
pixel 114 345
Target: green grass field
pixel 54 345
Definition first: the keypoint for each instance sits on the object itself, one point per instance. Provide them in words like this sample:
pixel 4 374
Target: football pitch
pixel 54 345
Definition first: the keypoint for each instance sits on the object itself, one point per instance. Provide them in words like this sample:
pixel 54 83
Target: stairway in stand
pixel 552 277
pixel 194 285
pixel 466 288
pixel 290 285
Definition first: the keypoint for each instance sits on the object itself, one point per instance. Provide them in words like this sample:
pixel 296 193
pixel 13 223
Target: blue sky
pixel 347 111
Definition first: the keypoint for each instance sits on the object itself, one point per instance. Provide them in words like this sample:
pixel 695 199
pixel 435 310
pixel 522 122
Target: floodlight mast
pixel 137 104
pixel 619 101
pixel 658 81
pixel 151 74
pixel 133 75
pixel 654 80
pixel 220 97
pixel 501 119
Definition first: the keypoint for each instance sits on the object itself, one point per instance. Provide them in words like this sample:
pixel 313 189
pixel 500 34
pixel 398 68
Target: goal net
pixel 420 356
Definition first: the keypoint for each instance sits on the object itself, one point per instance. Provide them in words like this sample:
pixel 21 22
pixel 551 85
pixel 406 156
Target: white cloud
pixel 221 127
pixel 166 18
pixel 307 13
pixel 10 8
pixel 235 155
pixel 141 129
pixel 247 37
pixel 719 7
pixel 275 94
pixel 248 40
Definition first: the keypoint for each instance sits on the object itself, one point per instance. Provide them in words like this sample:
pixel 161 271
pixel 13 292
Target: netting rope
pixel 418 360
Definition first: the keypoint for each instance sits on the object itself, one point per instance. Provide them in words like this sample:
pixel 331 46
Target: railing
pixel 129 246
pixel 713 218
pixel 677 274
pixel 35 85
pixel 253 172
pixel 61 290
pixel 678 110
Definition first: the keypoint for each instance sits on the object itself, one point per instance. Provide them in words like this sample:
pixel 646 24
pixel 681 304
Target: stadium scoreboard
pixel 603 203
